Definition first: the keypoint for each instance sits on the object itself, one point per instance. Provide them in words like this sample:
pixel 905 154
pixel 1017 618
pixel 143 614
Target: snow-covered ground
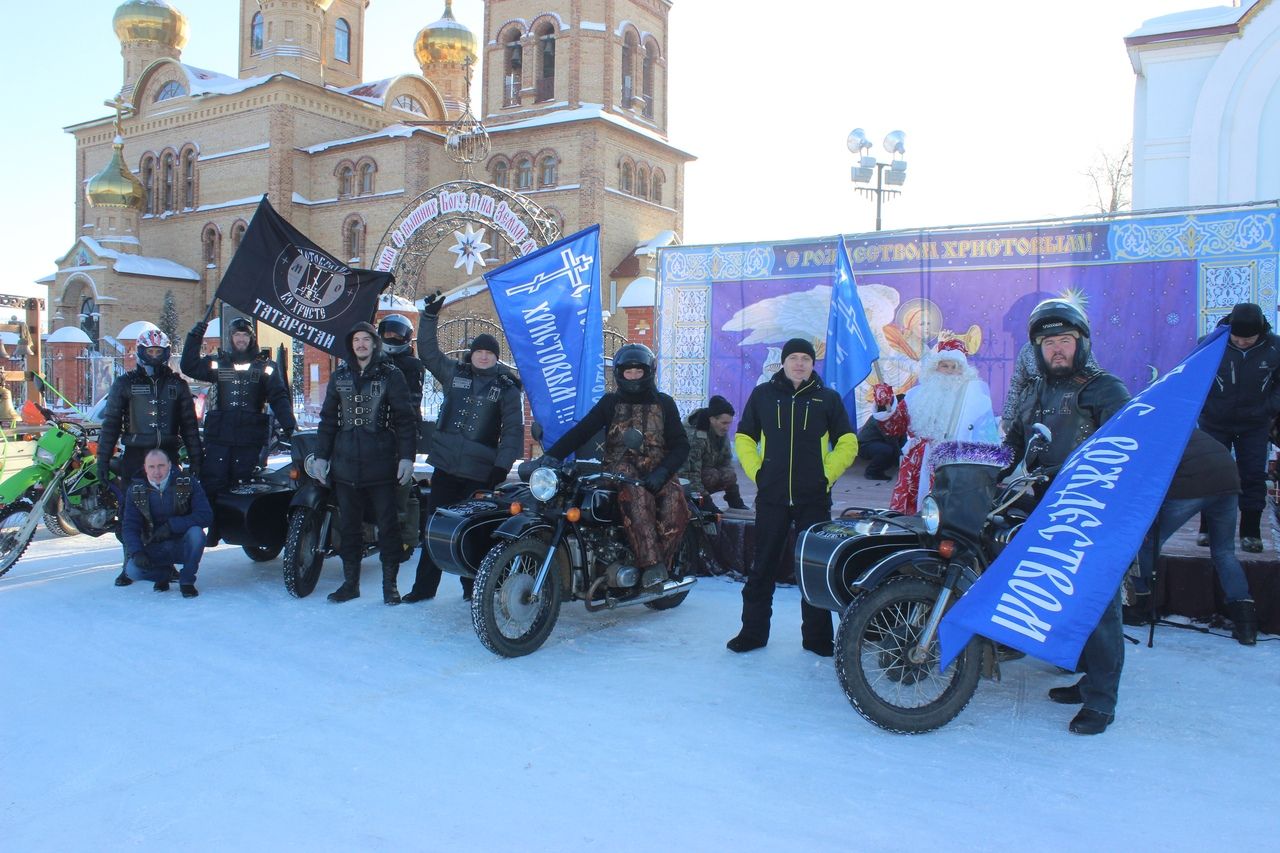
pixel 248 720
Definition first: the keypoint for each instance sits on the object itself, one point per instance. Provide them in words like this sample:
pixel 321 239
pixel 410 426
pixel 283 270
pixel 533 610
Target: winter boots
pixel 350 584
pixel 1244 621
pixel 1139 612
pixel 653 577
pixel 1069 695
pixel 733 497
pixel 1251 530
pixel 1090 722
pixel 390 595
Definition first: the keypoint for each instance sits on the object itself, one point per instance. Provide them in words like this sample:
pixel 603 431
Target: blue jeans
pixel 186 550
pixel 1102 659
pixel 1219 513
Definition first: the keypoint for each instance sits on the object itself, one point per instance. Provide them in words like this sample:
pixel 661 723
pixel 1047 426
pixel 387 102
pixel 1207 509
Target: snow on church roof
pixel 386 133
pixel 582 113
pixel 1188 23
pixel 201 81
pixel 141 264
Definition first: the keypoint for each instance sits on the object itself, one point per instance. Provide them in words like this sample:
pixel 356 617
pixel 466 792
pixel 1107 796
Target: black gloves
pixel 526 469
pixel 141 560
pixel 162 532
pixel 656 480
pixel 497 475
pixel 199 329
pixel 432 304
pixel 708 505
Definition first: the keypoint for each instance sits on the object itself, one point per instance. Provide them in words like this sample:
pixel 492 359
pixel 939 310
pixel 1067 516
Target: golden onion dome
pixel 445 41
pixel 115 186
pixel 150 20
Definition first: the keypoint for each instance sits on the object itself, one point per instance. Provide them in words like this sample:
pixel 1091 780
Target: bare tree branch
pixel 1112 177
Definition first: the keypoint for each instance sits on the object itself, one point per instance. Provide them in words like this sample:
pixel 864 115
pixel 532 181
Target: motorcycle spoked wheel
pixel 55 522
pixel 687 561
pixel 12 519
pixel 303 553
pixel 507 622
pixel 876 632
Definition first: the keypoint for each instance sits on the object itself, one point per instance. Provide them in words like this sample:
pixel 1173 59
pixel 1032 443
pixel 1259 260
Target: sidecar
pixel 254 514
pixel 837 559
pixel 459 536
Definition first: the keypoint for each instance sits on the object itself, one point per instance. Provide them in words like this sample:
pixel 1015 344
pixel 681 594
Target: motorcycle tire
pixel 882 684
pixel 688 561
pixel 303 555
pixel 506 623
pixel 58 524
pixel 12 519
pixel 263 553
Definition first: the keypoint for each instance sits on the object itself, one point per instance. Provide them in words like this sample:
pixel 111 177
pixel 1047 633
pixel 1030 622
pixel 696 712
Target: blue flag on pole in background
pixel 851 348
pixel 549 303
pixel 1047 590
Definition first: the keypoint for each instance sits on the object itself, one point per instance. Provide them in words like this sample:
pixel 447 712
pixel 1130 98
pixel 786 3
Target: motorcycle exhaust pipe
pixel 669 588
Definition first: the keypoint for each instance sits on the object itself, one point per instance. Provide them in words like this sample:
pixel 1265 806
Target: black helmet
pixel 243 324
pixel 399 326
pixel 633 355
pixel 1059 317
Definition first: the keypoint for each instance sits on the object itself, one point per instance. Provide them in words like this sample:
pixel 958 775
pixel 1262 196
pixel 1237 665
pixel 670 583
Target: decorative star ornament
pixel 469 248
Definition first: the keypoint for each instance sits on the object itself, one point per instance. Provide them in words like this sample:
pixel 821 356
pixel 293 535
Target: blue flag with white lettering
pixel 549 304
pixel 851 348
pixel 1047 590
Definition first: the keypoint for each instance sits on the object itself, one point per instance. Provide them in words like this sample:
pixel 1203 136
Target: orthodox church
pixel 573 96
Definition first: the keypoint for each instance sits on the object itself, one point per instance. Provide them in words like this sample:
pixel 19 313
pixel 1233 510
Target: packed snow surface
pixel 248 720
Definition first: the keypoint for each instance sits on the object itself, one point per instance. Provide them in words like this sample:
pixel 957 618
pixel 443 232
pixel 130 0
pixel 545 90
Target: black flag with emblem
pixel 283 279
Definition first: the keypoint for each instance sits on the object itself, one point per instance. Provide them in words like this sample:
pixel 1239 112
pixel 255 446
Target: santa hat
pixel 953 349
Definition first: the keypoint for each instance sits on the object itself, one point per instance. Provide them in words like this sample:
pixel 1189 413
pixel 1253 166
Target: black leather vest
pixel 240 385
pixel 364 405
pixel 1057 406
pixel 151 408
pixel 475 417
pixel 139 493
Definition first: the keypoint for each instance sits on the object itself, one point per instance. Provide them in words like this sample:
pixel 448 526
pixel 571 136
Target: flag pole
pixel 208 313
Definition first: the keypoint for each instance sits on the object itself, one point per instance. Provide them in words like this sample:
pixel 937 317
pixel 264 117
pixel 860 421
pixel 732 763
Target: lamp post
pixel 867 165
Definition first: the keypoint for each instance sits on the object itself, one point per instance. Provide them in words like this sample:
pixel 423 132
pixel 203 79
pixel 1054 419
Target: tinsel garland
pixel 971 452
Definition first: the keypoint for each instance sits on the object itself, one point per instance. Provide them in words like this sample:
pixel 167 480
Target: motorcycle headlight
pixel 930 514
pixel 45 455
pixel 543 484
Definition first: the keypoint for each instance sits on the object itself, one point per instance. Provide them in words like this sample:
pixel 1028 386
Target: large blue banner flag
pixel 549 303
pixel 851 348
pixel 1047 590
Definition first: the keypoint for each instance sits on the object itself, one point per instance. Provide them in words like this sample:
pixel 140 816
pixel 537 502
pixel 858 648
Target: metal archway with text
pixel 443 211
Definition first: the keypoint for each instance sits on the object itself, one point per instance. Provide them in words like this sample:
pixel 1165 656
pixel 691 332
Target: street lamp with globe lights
pixel 867 165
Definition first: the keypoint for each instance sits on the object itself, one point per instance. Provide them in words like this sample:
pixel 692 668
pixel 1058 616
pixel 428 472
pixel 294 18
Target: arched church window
pixel 171 89
pixel 547 172
pixel 650 61
pixel 500 176
pixel 237 234
pixel 189 179
pixel 546 62
pixel 524 173
pixel 656 187
pixel 366 179
pixel 630 45
pixel 255 33
pixel 409 104
pixel 642 182
pixel 353 239
pixel 90 319
pixel 166 172
pixel 149 184
pixel 512 71
pixel 346 181
pixel 342 41
pixel 210 241
pixel 626 177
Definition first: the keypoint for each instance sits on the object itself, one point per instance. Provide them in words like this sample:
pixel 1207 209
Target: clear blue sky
pixel 1004 104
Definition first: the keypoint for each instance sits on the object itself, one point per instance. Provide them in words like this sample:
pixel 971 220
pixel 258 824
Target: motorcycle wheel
pixel 13 518
pixel 261 554
pixel 688 560
pixel 303 554
pixel 506 621
pixel 55 522
pixel 882 683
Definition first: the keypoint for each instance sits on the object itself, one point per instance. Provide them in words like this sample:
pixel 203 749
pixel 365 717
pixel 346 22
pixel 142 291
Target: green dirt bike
pixel 39 491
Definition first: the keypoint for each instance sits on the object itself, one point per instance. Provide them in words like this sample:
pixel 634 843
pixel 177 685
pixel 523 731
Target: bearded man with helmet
pixel 236 428
pixel 656 514
pixel 148 408
pixel 479 432
pixel 367 440
pixel 1074 399
pixel 396 333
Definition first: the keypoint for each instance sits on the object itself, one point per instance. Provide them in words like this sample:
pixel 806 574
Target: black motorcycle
pixel 312 533
pixel 894 576
pixel 568 541
pixel 253 514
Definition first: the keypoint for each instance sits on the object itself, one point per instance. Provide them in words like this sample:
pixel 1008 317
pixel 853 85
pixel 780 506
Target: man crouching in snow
pixel 164 517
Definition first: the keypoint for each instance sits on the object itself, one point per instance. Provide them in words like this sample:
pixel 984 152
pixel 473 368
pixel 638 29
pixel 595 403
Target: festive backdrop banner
pixel 1151 286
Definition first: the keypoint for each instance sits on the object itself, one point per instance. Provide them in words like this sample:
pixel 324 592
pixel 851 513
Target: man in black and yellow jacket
pixel 794 441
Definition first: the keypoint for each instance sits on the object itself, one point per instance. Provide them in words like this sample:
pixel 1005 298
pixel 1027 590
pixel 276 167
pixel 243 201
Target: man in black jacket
pixel 1074 400
pixel 478 433
pixel 396 333
pixel 1242 402
pixel 794 441
pixel 1208 483
pixel 236 428
pixel 148 408
pixel 368 432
